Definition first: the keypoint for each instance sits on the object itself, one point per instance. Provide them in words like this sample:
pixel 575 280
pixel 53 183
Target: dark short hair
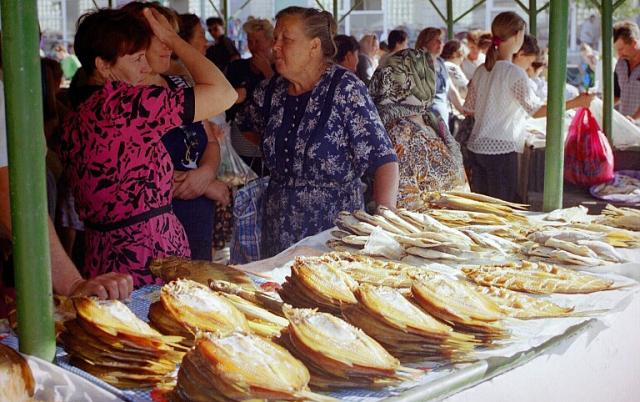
pixel 345 44
pixel 215 21
pixel 627 31
pixel 188 24
pixel 396 36
pixel 109 34
pixel 530 46
pixel 450 49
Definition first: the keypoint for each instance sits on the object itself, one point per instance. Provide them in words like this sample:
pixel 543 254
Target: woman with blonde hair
pixel 501 98
pixel 367 59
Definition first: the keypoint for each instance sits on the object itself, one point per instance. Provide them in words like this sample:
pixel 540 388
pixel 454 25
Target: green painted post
pixel 226 14
pixel 335 11
pixel 450 19
pixel 554 151
pixel 607 68
pixel 27 177
pixel 533 17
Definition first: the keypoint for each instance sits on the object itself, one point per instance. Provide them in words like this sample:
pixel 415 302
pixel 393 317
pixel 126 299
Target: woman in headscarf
pixel 429 157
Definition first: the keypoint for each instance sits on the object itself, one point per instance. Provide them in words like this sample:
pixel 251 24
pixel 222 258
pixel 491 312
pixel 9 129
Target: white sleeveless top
pixel 500 100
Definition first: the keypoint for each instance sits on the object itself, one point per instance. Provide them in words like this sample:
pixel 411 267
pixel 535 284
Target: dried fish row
pixel 534 277
pixel 518 305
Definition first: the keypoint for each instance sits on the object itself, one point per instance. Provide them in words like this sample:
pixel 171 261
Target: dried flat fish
pixel 241 366
pixel 16 379
pixel 188 305
pixel 626 218
pixel 404 329
pixel 107 340
pixel 173 268
pixel 333 348
pixel 457 303
pixel 519 305
pixel 604 250
pixel 317 283
pixel 536 278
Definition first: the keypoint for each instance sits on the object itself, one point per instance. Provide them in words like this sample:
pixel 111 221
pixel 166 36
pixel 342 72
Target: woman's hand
pixel 108 286
pixel 161 28
pixel 191 184
pixel 218 191
pixel 263 64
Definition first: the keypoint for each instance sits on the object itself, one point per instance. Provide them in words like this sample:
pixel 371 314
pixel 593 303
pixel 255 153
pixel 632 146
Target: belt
pixel 132 220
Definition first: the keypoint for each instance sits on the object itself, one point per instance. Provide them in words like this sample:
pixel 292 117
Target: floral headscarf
pixel 405 86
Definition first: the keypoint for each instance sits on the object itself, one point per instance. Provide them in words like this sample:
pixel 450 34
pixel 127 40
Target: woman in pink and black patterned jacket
pixel 119 170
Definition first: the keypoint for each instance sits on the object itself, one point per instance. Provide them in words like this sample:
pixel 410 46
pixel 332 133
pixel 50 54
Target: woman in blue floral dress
pixel 321 134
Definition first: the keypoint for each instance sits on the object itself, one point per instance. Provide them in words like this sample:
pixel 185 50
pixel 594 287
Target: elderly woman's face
pixel 130 68
pixel 158 55
pixel 292 50
pixel 259 43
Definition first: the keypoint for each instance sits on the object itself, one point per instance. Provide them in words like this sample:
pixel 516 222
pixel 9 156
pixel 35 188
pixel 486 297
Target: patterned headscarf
pixel 404 86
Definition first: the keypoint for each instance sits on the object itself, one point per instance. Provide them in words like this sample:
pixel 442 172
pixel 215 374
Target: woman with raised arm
pixel 120 171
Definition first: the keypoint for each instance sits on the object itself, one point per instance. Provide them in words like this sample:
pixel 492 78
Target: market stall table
pixel 591 359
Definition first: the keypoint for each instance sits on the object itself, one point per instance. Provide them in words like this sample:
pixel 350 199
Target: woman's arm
pixel 386 180
pixel 582 100
pixel 213 93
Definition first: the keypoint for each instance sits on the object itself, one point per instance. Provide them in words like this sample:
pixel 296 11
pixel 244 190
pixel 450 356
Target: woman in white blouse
pixel 500 98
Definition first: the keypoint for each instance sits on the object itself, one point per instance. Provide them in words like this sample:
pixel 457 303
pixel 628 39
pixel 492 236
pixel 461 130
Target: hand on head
pixel 161 28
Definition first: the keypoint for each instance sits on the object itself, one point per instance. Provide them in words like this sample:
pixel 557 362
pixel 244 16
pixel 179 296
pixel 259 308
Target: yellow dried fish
pixel 241 366
pixel 333 348
pixel 519 305
pixel 316 283
pixel 536 278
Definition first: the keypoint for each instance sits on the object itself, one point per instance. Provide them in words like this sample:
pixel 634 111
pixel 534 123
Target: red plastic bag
pixel 588 159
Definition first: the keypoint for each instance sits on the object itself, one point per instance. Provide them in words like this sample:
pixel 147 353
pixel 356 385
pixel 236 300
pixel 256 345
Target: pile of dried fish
pixel 519 305
pixel 16 379
pixel 616 237
pixel 625 218
pixel 239 367
pixel 172 268
pixel 572 246
pixel 364 269
pixel 408 232
pixel 405 330
pixel 338 354
pixel 475 202
pixel 108 341
pixel 186 307
pixel 460 305
pixel 318 284
pixel 267 301
pixel 534 277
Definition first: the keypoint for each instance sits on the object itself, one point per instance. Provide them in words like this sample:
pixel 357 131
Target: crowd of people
pixel 329 122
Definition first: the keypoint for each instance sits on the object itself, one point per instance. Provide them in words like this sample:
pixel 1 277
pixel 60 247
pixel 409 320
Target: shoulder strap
pixel 268 94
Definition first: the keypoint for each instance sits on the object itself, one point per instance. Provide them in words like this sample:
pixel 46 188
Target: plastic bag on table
pixel 588 158
pixel 233 171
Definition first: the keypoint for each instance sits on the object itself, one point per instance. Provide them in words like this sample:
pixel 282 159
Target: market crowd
pixel 326 122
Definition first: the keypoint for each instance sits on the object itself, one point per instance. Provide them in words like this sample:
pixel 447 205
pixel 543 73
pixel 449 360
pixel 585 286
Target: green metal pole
pixel 450 19
pixel 533 17
pixel 226 13
pixel 554 151
pixel 607 68
pixel 25 131
pixel 335 10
